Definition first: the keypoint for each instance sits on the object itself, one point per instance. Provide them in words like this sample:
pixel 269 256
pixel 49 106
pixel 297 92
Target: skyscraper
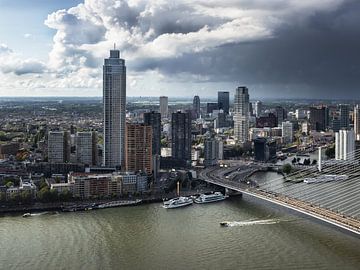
pixel 319 118
pixel 181 136
pixel 357 122
pixel 196 106
pixel 280 114
pixel 86 148
pixel 287 132
pixel 114 102
pixel 164 110
pixel 344 116
pixel 139 148
pixel 223 101
pixel 153 119
pixel 241 114
pixel 258 108
pixel 58 146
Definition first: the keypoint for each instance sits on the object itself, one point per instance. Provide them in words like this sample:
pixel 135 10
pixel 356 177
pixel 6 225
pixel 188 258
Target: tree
pixel 66 195
pixel 287 168
pixel 26 196
pixel 9 184
pixel 293 161
pixel 47 195
pixel 314 162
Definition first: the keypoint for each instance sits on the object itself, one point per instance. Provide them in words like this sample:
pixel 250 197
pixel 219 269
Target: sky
pixel 277 48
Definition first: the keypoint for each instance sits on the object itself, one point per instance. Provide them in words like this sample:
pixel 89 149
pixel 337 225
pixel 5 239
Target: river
pixel 150 237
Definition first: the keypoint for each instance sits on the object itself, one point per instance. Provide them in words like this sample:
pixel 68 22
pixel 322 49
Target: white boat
pixel 177 202
pixel 208 198
pixel 27 215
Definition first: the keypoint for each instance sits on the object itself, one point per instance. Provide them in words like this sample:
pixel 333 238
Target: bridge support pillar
pixel 319 160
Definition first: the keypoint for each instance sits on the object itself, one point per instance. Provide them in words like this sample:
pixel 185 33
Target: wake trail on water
pixel 254 222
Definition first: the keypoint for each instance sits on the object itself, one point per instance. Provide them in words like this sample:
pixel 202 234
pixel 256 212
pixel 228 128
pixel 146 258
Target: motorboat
pixel 177 202
pixel 212 197
pixel 26 215
pixel 225 223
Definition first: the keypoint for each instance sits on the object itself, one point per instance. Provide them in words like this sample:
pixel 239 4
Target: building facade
pixel 345 145
pixel 357 122
pixel 196 106
pixel 344 116
pixel 224 101
pixel 138 148
pixel 319 118
pixel 287 132
pixel 211 106
pixel 164 109
pixel 114 102
pixel 86 147
pixel 58 146
pixel 258 107
pixel 153 119
pixel 241 114
pixel 181 136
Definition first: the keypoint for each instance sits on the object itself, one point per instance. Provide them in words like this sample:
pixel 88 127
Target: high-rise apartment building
pixel 344 116
pixel 138 148
pixel 224 101
pixel 181 136
pixel 196 106
pixel 153 119
pixel 114 102
pixel 58 146
pixel 86 147
pixel 164 109
pixel 345 145
pixel 241 114
pixel 357 122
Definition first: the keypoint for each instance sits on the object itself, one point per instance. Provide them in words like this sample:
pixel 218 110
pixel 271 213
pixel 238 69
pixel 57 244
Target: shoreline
pixel 58 206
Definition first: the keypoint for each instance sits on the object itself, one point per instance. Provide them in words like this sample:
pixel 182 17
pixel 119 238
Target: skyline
pixel 238 43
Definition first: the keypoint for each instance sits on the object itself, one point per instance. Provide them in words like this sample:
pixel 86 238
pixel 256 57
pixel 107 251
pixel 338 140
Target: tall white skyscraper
pixel 344 145
pixel 258 108
pixel 164 111
pixel 287 132
pixel 357 122
pixel 241 114
pixel 114 102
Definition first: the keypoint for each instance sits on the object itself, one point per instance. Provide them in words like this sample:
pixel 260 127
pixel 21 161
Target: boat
pixel 225 223
pixel 208 198
pixel 26 215
pixel 177 202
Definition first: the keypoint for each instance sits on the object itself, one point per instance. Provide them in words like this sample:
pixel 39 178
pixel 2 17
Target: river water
pixel 150 237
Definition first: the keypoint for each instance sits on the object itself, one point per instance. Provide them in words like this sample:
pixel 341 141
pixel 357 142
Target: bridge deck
pixel 297 202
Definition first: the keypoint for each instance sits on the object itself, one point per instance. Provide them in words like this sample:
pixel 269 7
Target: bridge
pixel 332 196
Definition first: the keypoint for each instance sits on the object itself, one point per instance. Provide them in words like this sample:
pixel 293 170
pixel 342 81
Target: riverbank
pixel 59 206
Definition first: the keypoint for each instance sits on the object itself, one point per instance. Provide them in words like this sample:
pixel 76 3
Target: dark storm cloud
pixel 319 55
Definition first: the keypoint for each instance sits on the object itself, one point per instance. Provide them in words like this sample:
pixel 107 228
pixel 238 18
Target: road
pixel 234 178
